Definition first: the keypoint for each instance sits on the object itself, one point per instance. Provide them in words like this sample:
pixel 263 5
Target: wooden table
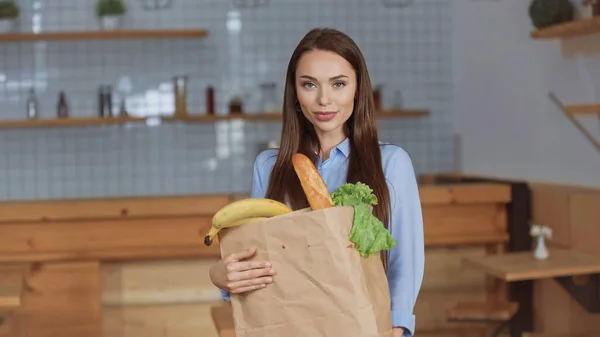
pixel 577 272
pixel 523 266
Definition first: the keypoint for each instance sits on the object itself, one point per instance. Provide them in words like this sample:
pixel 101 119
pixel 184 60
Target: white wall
pixel 508 125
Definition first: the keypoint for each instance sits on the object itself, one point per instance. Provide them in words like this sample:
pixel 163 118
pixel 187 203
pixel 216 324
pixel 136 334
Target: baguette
pixel 312 183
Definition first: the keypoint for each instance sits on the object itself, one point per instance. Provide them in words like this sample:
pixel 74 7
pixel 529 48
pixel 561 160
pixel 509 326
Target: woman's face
pixel 326 87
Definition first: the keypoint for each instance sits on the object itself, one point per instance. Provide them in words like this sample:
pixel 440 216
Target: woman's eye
pixel 308 85
pixel 339 84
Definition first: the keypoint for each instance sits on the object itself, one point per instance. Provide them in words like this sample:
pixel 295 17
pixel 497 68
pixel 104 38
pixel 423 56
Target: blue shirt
pixel 406 260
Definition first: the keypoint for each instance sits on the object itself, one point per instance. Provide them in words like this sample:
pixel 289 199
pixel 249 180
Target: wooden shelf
pixel 583 109
pixel 568 30
pixel 97 121
pixel 104 35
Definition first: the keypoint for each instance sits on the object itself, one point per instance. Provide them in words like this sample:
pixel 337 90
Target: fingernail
pixel 267 264
pixel 272 271
pixel 269 280
pixel 250 249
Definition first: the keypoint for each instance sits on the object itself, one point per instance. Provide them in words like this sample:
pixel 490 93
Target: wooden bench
pixel 11 292
pixel 498 313
pixel 551 334
pixel 222 317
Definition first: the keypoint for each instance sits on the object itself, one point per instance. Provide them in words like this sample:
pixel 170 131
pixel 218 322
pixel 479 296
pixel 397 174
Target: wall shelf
pixel 573 111
pixel 583 109
pixel 97 121
pixel 104 35
pixel 570 29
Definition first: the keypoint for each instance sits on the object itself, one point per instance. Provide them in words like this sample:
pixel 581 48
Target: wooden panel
pixel 11 287
pixel 445 283
pixel 63 299
pixel 572 213
pixel 585 222
pixel 550 207
pixel 472 193
pixel 158 282
pixel 180 320
pixel 554 334
pixel 483 311
pixel 77 209
pixel 455 223
pixel 84 239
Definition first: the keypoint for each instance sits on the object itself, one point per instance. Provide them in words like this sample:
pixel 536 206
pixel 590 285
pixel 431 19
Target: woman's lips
pixel 324 116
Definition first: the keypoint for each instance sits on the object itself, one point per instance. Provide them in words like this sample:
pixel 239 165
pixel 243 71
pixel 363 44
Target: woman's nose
pixel 324 97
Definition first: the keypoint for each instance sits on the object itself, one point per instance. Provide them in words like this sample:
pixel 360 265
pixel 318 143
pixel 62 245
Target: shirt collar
pixel 343 147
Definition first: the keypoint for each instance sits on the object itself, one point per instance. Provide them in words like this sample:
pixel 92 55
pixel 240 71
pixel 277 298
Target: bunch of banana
pixel 243 212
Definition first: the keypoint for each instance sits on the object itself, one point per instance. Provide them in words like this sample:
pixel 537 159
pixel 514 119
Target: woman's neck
pixel 328 141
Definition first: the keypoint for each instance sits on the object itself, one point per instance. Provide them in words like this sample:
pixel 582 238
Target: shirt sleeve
pixel 406 259
pixel 257 189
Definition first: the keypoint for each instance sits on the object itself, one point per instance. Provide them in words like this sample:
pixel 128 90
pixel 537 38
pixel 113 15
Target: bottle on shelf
pixel 62 108
pixel 105 101
pixel 32 105
pixel 210 101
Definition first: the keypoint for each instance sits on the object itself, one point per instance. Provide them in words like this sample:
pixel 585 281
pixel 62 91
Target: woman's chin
pixel 327 127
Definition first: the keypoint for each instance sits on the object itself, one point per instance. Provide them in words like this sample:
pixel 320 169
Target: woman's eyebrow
pixel 331 78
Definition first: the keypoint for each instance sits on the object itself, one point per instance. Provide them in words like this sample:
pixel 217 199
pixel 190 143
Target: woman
pixel 329 115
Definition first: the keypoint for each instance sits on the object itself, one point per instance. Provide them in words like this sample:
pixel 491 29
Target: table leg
pixel 522 293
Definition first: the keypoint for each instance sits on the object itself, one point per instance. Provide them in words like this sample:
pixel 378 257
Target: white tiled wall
pixel 407 49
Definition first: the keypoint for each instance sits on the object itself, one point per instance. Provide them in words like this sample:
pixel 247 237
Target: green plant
pixel 110 7
pixel 544 13
pixel 8 9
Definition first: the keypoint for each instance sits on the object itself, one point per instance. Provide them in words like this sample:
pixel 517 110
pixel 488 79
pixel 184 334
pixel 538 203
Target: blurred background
pixel 124 125
pixel 240 49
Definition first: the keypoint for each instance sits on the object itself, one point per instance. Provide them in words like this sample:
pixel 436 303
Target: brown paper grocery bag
pixel 323 287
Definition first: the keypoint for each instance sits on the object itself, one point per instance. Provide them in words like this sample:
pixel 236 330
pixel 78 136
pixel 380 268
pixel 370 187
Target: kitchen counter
pixel 63 243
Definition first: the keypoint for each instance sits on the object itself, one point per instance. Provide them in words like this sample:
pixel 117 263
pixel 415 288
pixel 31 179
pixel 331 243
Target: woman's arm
pixel 262 167
pixel 406 259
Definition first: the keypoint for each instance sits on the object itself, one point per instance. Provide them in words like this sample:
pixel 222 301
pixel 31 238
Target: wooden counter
pixel 66 243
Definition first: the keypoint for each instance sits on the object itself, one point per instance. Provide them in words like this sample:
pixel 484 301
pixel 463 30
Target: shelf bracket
pixel 575 122
pixel 585 290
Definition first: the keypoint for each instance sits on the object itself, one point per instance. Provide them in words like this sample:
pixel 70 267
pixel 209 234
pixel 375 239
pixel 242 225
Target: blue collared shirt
pixel 406 260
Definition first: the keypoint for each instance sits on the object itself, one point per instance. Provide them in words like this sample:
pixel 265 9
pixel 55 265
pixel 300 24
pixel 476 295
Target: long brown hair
pixel 298 134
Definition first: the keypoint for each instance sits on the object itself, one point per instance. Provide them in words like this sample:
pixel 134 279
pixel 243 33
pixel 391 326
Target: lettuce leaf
pixel 368 233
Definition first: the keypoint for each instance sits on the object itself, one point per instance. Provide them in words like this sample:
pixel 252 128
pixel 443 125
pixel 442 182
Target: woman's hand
pixel 397 332
pixel 235 276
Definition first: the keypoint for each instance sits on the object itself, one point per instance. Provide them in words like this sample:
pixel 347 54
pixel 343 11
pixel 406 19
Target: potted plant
pixel 9 11
pixel 110 13
pixel 540 233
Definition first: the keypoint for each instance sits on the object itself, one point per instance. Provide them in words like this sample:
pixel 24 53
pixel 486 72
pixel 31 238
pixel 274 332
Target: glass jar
pixel 269 101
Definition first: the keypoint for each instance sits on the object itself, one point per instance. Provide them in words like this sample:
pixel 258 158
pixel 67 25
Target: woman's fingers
pixel 246 265
pixel 246 289
pixel 244 254
pixel 249 274
pixel 247 285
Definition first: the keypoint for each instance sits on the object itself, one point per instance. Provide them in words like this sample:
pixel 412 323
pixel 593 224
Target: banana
pixel 241 211
pixel 212 232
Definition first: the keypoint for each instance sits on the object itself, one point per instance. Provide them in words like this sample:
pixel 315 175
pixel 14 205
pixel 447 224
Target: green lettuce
pixel 368 233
